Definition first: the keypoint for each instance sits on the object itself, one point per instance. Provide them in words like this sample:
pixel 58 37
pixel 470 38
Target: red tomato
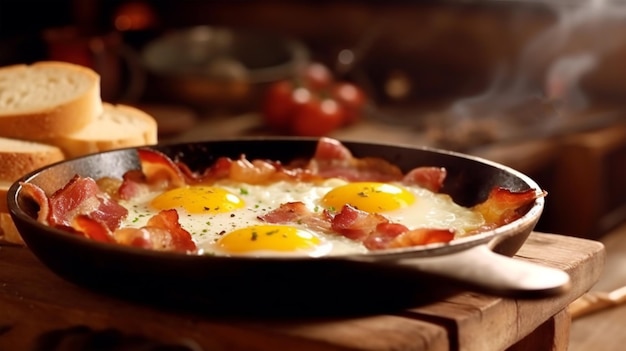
pixel 318 117
pixel 317 76
pixel 281 101
pixel 312 104
pixel 352 98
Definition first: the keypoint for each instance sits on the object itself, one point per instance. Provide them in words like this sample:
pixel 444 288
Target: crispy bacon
pixel 503 206
pixel 143 237
pixel 329 149
pixel 355 224
pixel 383 235
pixel 162 172
pixel 220 169
pixel 297 212
pixel 80 206
pixel 159 168
pixel 39 196
pixel 430 178
pixel 333 160
pixel 179 238
pixel 133 184
pixel 162 232
pixel 421 236
pixel 375 231
pixel 253 172
pixel 158 172
pixel 92 228
pixel 82 196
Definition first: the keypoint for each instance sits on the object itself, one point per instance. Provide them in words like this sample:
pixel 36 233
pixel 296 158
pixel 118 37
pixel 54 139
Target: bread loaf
pixel 117 127
pixel 47 99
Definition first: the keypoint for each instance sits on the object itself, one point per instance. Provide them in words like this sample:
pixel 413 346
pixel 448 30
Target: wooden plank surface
pixel 34 302
pixel 604 329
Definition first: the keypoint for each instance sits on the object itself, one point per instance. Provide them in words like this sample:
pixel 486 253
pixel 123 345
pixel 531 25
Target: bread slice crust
pixel 19 157
pixel 117 127
pixel 47 99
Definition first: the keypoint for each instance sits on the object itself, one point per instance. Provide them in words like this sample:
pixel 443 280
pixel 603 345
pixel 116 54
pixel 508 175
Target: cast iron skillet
pixel 479 263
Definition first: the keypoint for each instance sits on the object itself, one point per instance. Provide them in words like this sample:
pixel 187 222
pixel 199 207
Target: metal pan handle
pixel 482 270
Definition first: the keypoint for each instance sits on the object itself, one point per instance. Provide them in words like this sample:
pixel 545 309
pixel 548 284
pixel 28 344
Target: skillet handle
pixel 482 270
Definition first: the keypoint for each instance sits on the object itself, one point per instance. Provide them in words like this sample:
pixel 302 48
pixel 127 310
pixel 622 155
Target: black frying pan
pixel 480 263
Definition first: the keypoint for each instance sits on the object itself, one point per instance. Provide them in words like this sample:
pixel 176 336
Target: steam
pixel 540 92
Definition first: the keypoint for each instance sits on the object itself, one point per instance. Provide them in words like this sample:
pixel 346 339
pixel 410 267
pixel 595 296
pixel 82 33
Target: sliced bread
pixel 117 127
pixel 8 231
pixel 4 189
pixel 47 99
pixel 18 157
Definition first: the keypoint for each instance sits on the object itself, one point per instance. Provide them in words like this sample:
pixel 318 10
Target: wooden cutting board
pixel 39 308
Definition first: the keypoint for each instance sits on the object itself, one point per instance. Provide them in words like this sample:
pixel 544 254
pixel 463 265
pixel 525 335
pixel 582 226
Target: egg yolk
pixel 370 197
pixel 198 200
pixel 277 238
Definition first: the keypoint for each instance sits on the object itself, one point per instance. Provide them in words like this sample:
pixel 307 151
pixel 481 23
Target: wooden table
pixel 36 305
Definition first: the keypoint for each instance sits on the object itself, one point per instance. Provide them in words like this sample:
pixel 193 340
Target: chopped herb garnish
pixel 243 191
pixel 253 236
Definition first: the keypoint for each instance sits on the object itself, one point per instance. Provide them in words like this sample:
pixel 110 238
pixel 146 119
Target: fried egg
pixel 223 217
pixel 413 206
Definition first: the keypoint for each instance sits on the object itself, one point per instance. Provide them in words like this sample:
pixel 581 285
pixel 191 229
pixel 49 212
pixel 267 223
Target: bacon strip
pixel 355 224
pixel 179 238
pixel 82 196
pixel 92 229
pixel 430 178
pixel 159 168
pixel 162 232
pixel 39 196
pixel 329 149
pixel 421 236
pixel 333 160
pixel 375 231
pixel 503 206
pixel 297 212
